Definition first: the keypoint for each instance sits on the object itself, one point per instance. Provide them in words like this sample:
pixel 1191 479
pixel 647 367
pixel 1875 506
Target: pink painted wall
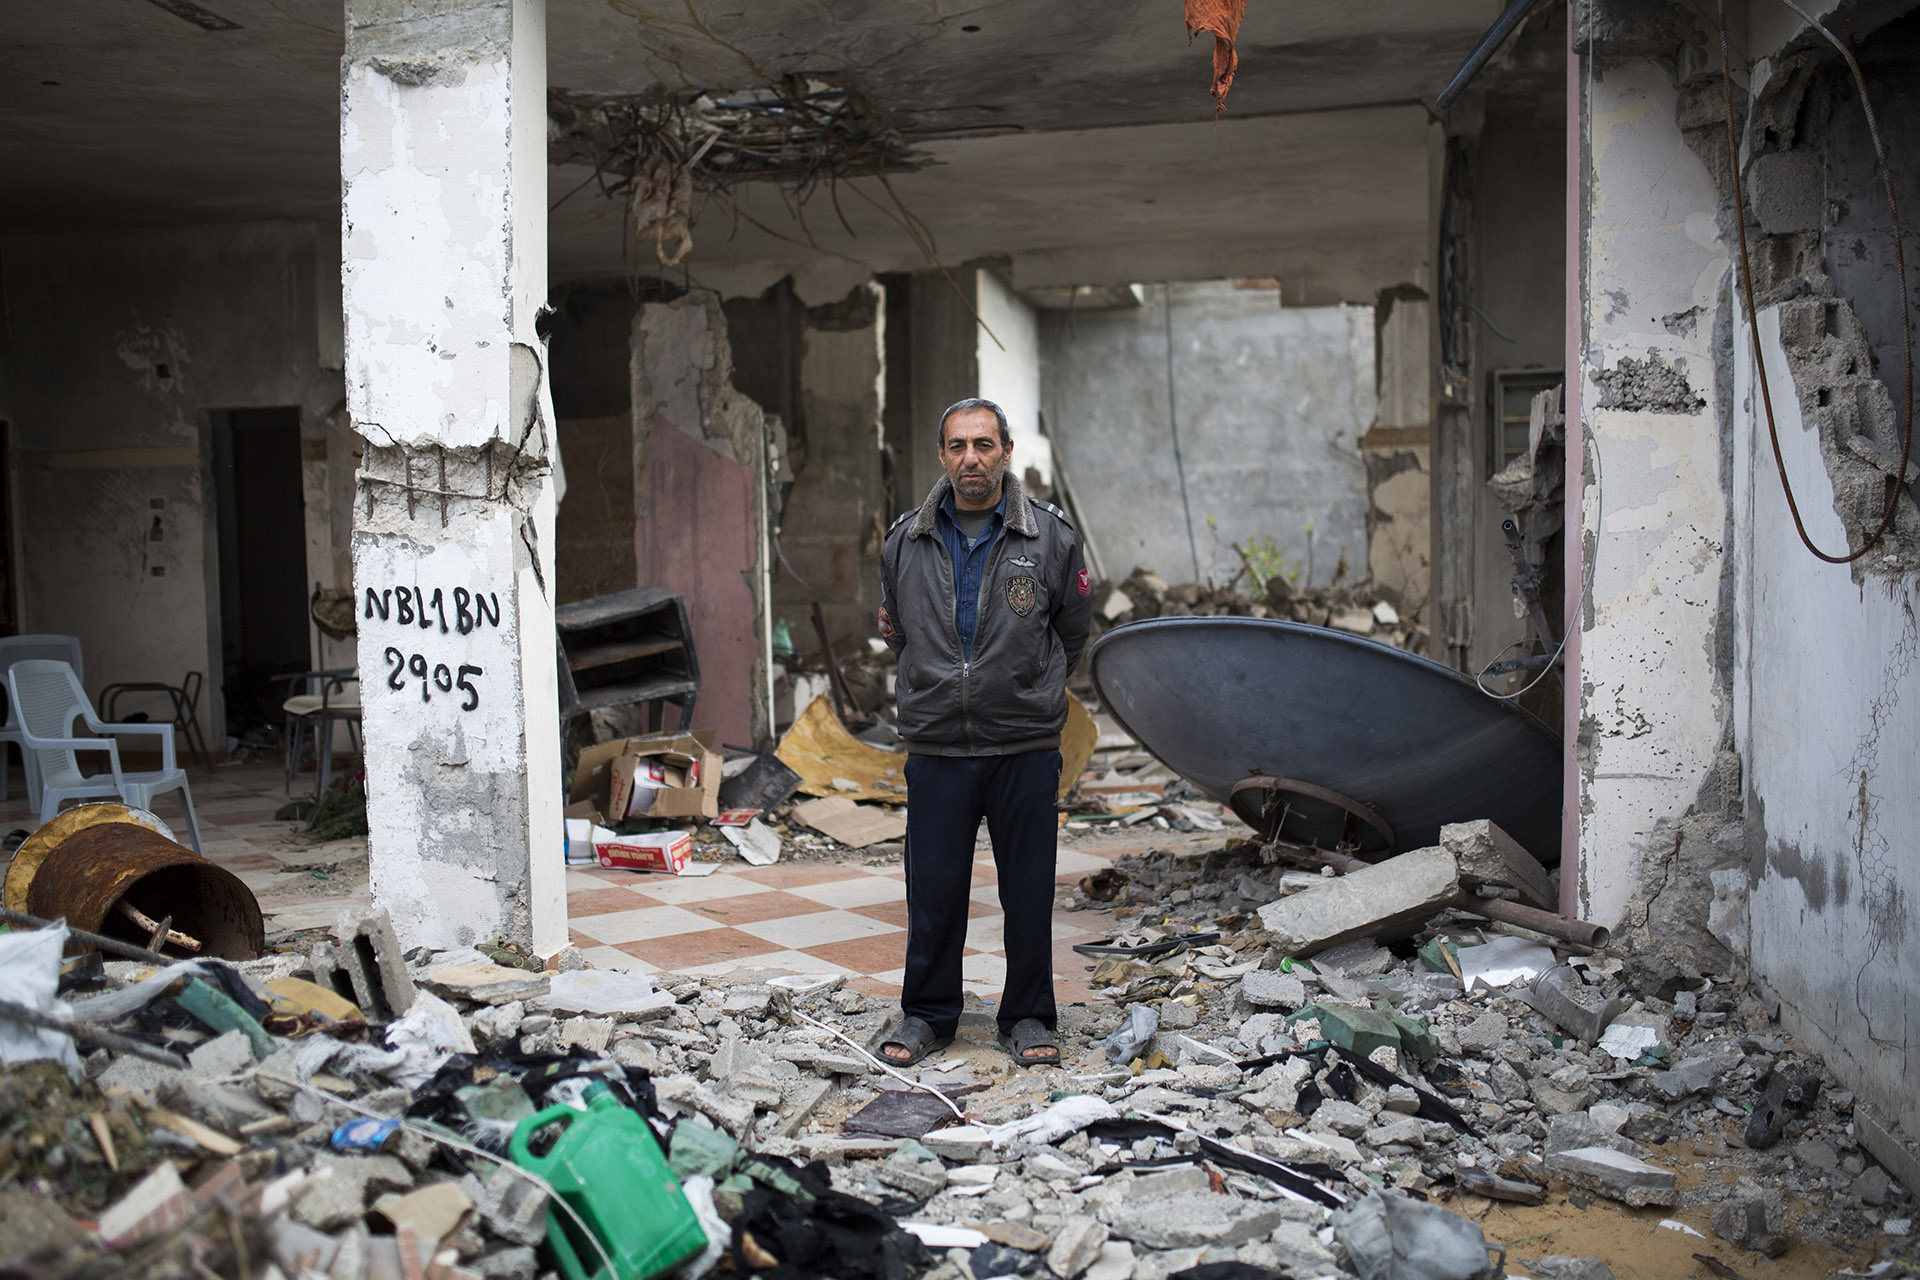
pixel 696 539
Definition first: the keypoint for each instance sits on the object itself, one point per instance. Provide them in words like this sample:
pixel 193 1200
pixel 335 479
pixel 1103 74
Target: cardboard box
pixel 649 851
pixel 680 770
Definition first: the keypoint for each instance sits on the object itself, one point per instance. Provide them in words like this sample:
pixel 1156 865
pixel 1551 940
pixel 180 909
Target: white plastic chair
pixel 14 649
pixel 48 697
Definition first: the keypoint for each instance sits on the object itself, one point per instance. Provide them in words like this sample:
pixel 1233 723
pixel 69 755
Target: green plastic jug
pixel 607 1165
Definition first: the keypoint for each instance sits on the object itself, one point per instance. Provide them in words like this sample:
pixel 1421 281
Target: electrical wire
pixel 1588 444
pixel 1498 332
pixel 1746 285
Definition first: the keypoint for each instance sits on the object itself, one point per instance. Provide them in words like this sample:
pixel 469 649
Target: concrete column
pixel 1654 704
pixel 443 159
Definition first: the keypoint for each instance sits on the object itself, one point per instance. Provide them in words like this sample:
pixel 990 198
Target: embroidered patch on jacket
pixel 1024 563
pixel 886 623
pixel 1085 585
pixel 1020 594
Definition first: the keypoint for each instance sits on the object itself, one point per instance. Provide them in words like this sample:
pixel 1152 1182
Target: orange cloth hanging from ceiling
pixel 1222 18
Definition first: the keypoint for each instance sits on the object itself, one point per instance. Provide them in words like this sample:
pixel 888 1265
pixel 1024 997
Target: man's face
pixel 973 457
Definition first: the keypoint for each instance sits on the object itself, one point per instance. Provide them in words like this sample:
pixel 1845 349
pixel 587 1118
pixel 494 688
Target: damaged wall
pixel 1825 713
pixel 1008 342
pixel 699 497
pixel 119 344
pixel 1745 705
pixel 1398 451
pixel 1272 405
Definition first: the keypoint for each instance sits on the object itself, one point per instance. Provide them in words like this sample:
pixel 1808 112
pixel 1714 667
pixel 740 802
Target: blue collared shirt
pixel 969 564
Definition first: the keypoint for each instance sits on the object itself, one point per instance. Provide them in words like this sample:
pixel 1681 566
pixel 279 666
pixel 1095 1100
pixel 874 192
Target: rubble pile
pixel 1247 1094
pixel 1347 606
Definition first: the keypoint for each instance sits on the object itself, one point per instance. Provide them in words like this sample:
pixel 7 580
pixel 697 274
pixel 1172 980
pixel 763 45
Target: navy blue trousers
pixel 946 798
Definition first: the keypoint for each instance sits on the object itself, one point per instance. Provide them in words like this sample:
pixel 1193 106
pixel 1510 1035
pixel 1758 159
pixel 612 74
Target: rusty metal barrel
pixel 88 861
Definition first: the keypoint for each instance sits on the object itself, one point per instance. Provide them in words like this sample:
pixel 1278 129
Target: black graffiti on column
pixel 440 676
pixel 413 607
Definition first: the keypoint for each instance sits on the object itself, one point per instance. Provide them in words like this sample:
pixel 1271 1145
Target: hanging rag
pixel 1222 18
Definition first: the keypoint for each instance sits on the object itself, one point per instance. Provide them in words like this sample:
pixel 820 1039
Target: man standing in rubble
pixel 986 600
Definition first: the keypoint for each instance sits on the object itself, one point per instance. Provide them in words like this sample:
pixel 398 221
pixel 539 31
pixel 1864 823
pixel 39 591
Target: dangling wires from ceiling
pixel 1746 285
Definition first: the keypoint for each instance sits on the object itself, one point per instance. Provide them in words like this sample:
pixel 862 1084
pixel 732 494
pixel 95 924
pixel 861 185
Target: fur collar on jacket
pixel 1019 511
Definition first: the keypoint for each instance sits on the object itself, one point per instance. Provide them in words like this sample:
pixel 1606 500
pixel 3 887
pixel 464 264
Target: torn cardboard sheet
pixel 819 749
pixel 1077 741
pixel 832 762
pixel 853 825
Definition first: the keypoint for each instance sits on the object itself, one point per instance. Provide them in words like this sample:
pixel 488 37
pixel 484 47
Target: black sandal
pixel 916 1036
pixel 1031 1033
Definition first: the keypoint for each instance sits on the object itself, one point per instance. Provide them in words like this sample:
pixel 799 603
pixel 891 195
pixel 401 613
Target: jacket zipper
pixel 979 615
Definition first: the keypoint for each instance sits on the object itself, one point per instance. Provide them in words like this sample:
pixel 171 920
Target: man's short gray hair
pixel 970 404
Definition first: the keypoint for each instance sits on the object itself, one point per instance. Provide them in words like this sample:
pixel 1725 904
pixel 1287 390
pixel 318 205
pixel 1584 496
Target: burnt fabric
pixel 946 798
pixel 1222 19
pixel 833 1235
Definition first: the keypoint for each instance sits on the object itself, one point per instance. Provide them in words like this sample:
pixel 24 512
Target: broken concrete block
pixel 1406 1131
pixel 1343 1118
pixel 516 1263
pixel 370 954
pixel 1485 1033
pixel 591 1034
pixel 1116 1262
pixel 919 1179
pixel 1076 1247
pixel 1298 1251
pixel 635 1052
pixel 513 1207
pixel 1753 1220
pixel 224 1055
pixel 1487 855
pixel 1192 1218
pixel 1383 900
pixel 1616 1175
pixel 964 1144
pixel 1272 989
pixel 1692 1075
pixel 488 983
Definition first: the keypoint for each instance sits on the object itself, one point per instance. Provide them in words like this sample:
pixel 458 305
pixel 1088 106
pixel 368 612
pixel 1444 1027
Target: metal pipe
pixel 1503 26
pixel 92 939
pixel 1583 933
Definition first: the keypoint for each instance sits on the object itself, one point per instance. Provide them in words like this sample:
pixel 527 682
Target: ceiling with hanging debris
pixel 1077 141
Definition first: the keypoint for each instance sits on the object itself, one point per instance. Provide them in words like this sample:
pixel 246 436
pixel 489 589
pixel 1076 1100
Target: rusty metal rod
pixel 1582 933
pixel 99 940
pixel 92 1035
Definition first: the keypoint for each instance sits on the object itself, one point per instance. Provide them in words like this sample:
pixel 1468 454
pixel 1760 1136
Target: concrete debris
pixel 1752 1219
pixel 1272 1109
pixel 1360 607
pixel 1487 855
pixel 1396 895
pixel 1616 1175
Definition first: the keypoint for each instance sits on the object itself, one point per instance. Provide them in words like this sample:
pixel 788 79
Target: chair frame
pixel 135 793
pixel 322 719
pixel 10 731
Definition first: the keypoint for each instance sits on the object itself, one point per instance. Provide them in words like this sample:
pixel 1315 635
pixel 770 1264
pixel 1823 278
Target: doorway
pixel 260 520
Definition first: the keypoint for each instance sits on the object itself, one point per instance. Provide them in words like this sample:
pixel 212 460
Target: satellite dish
pixel 1327 738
